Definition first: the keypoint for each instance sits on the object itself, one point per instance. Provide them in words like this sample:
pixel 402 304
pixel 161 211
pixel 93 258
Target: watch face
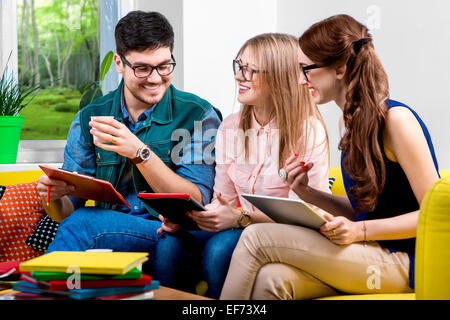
pixel 145 153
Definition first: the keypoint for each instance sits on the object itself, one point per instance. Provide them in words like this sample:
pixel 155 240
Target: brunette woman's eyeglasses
pixel 305 69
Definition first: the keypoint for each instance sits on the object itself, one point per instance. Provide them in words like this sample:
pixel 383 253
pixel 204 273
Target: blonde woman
pixel 277 119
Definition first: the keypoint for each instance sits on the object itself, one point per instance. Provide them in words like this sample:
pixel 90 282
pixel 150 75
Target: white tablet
pixel 288 211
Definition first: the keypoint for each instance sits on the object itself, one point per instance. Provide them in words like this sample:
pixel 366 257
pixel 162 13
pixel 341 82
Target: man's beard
pixel 150 101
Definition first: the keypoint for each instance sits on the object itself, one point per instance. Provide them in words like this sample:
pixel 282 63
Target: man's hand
pixel 58 188
pixel 167 225
pixel 112 131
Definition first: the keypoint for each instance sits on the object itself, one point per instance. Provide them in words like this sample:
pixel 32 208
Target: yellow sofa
pixel 432 273
pixel 432 269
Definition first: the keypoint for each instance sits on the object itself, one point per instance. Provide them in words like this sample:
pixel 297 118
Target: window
pixel 58 50
pixel 15 12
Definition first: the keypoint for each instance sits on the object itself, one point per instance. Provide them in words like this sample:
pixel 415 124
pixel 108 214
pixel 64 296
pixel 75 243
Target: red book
pixel 86 187
pixel 8 269
pixel 61 285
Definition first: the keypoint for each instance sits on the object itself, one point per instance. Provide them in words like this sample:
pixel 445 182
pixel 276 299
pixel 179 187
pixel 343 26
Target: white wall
pixel 214 31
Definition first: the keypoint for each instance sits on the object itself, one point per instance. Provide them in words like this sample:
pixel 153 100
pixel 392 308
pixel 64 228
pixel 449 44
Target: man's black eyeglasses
pixel 246 71
pixel 305 69
pixel 145 71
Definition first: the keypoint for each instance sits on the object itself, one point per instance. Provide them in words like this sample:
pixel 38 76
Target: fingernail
pixel 302 163
pixel 296 154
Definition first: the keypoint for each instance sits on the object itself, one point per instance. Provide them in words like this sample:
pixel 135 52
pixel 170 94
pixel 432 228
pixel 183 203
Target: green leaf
pixel 90 96
pixel 13 96
pixel 106 64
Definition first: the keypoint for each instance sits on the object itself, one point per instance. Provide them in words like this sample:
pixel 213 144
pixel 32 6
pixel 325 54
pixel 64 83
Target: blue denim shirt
pixel 80 157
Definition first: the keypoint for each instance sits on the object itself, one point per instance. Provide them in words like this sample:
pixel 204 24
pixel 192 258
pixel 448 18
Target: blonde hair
pixel 293 108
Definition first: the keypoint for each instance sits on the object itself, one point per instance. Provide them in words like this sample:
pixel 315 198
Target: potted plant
pixel 13 98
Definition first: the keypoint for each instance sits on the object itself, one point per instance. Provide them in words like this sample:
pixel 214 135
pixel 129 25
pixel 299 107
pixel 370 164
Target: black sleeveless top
pixel 396 197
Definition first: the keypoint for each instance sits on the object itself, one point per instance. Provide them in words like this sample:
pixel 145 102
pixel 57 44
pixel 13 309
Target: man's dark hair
pixel 139 31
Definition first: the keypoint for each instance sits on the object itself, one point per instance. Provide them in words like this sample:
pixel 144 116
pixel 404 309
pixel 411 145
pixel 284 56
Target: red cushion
pixel 20 211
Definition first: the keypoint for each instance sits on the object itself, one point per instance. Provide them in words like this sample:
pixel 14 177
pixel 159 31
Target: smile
pixel 243 89
pixel 151 87
pixel 313 91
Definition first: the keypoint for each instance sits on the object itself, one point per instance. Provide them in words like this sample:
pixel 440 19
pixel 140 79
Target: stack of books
pixel 87 275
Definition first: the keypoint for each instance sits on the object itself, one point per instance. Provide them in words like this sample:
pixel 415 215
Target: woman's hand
pixel 167 225
pixel 297 174
pixel 112 131
pixel 340 230
pixel 221 218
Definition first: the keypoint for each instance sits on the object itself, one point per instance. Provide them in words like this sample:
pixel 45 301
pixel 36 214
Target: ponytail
pixel 364 117
pixel 342 41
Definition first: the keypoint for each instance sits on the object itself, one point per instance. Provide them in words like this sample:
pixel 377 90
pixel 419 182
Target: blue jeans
pixel 183 258
pixel 94 228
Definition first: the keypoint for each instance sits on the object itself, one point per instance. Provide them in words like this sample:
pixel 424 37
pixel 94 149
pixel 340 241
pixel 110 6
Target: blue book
pixel 81 294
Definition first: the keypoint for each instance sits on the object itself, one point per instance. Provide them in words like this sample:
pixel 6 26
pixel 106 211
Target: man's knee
pixel 84 217
pixel 79 216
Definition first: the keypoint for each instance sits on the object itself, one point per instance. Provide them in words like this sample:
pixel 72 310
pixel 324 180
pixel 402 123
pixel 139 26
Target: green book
pixel 47 276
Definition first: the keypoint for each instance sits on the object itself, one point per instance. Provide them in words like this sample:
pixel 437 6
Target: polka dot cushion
pixel 43 235
pixel 20 211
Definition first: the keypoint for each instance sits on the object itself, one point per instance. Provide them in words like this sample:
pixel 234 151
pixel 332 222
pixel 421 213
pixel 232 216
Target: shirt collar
pixel 126 116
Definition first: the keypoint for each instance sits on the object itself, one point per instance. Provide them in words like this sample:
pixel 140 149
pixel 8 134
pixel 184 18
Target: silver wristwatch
pixel 143 154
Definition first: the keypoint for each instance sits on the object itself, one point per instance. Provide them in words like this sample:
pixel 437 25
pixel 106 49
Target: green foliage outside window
pixel 59 52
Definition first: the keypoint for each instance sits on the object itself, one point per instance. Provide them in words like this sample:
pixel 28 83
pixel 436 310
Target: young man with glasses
pixel 135 154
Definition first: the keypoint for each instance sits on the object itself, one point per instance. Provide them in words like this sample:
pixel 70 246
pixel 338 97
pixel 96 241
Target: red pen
pixel 48 195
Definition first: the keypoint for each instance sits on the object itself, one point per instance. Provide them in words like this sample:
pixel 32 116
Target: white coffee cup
pixel 93 118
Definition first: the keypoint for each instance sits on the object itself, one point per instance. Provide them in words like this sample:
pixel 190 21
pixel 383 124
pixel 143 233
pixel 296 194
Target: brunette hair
pixel 277 55
pixel 139 31
pixel 342 41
